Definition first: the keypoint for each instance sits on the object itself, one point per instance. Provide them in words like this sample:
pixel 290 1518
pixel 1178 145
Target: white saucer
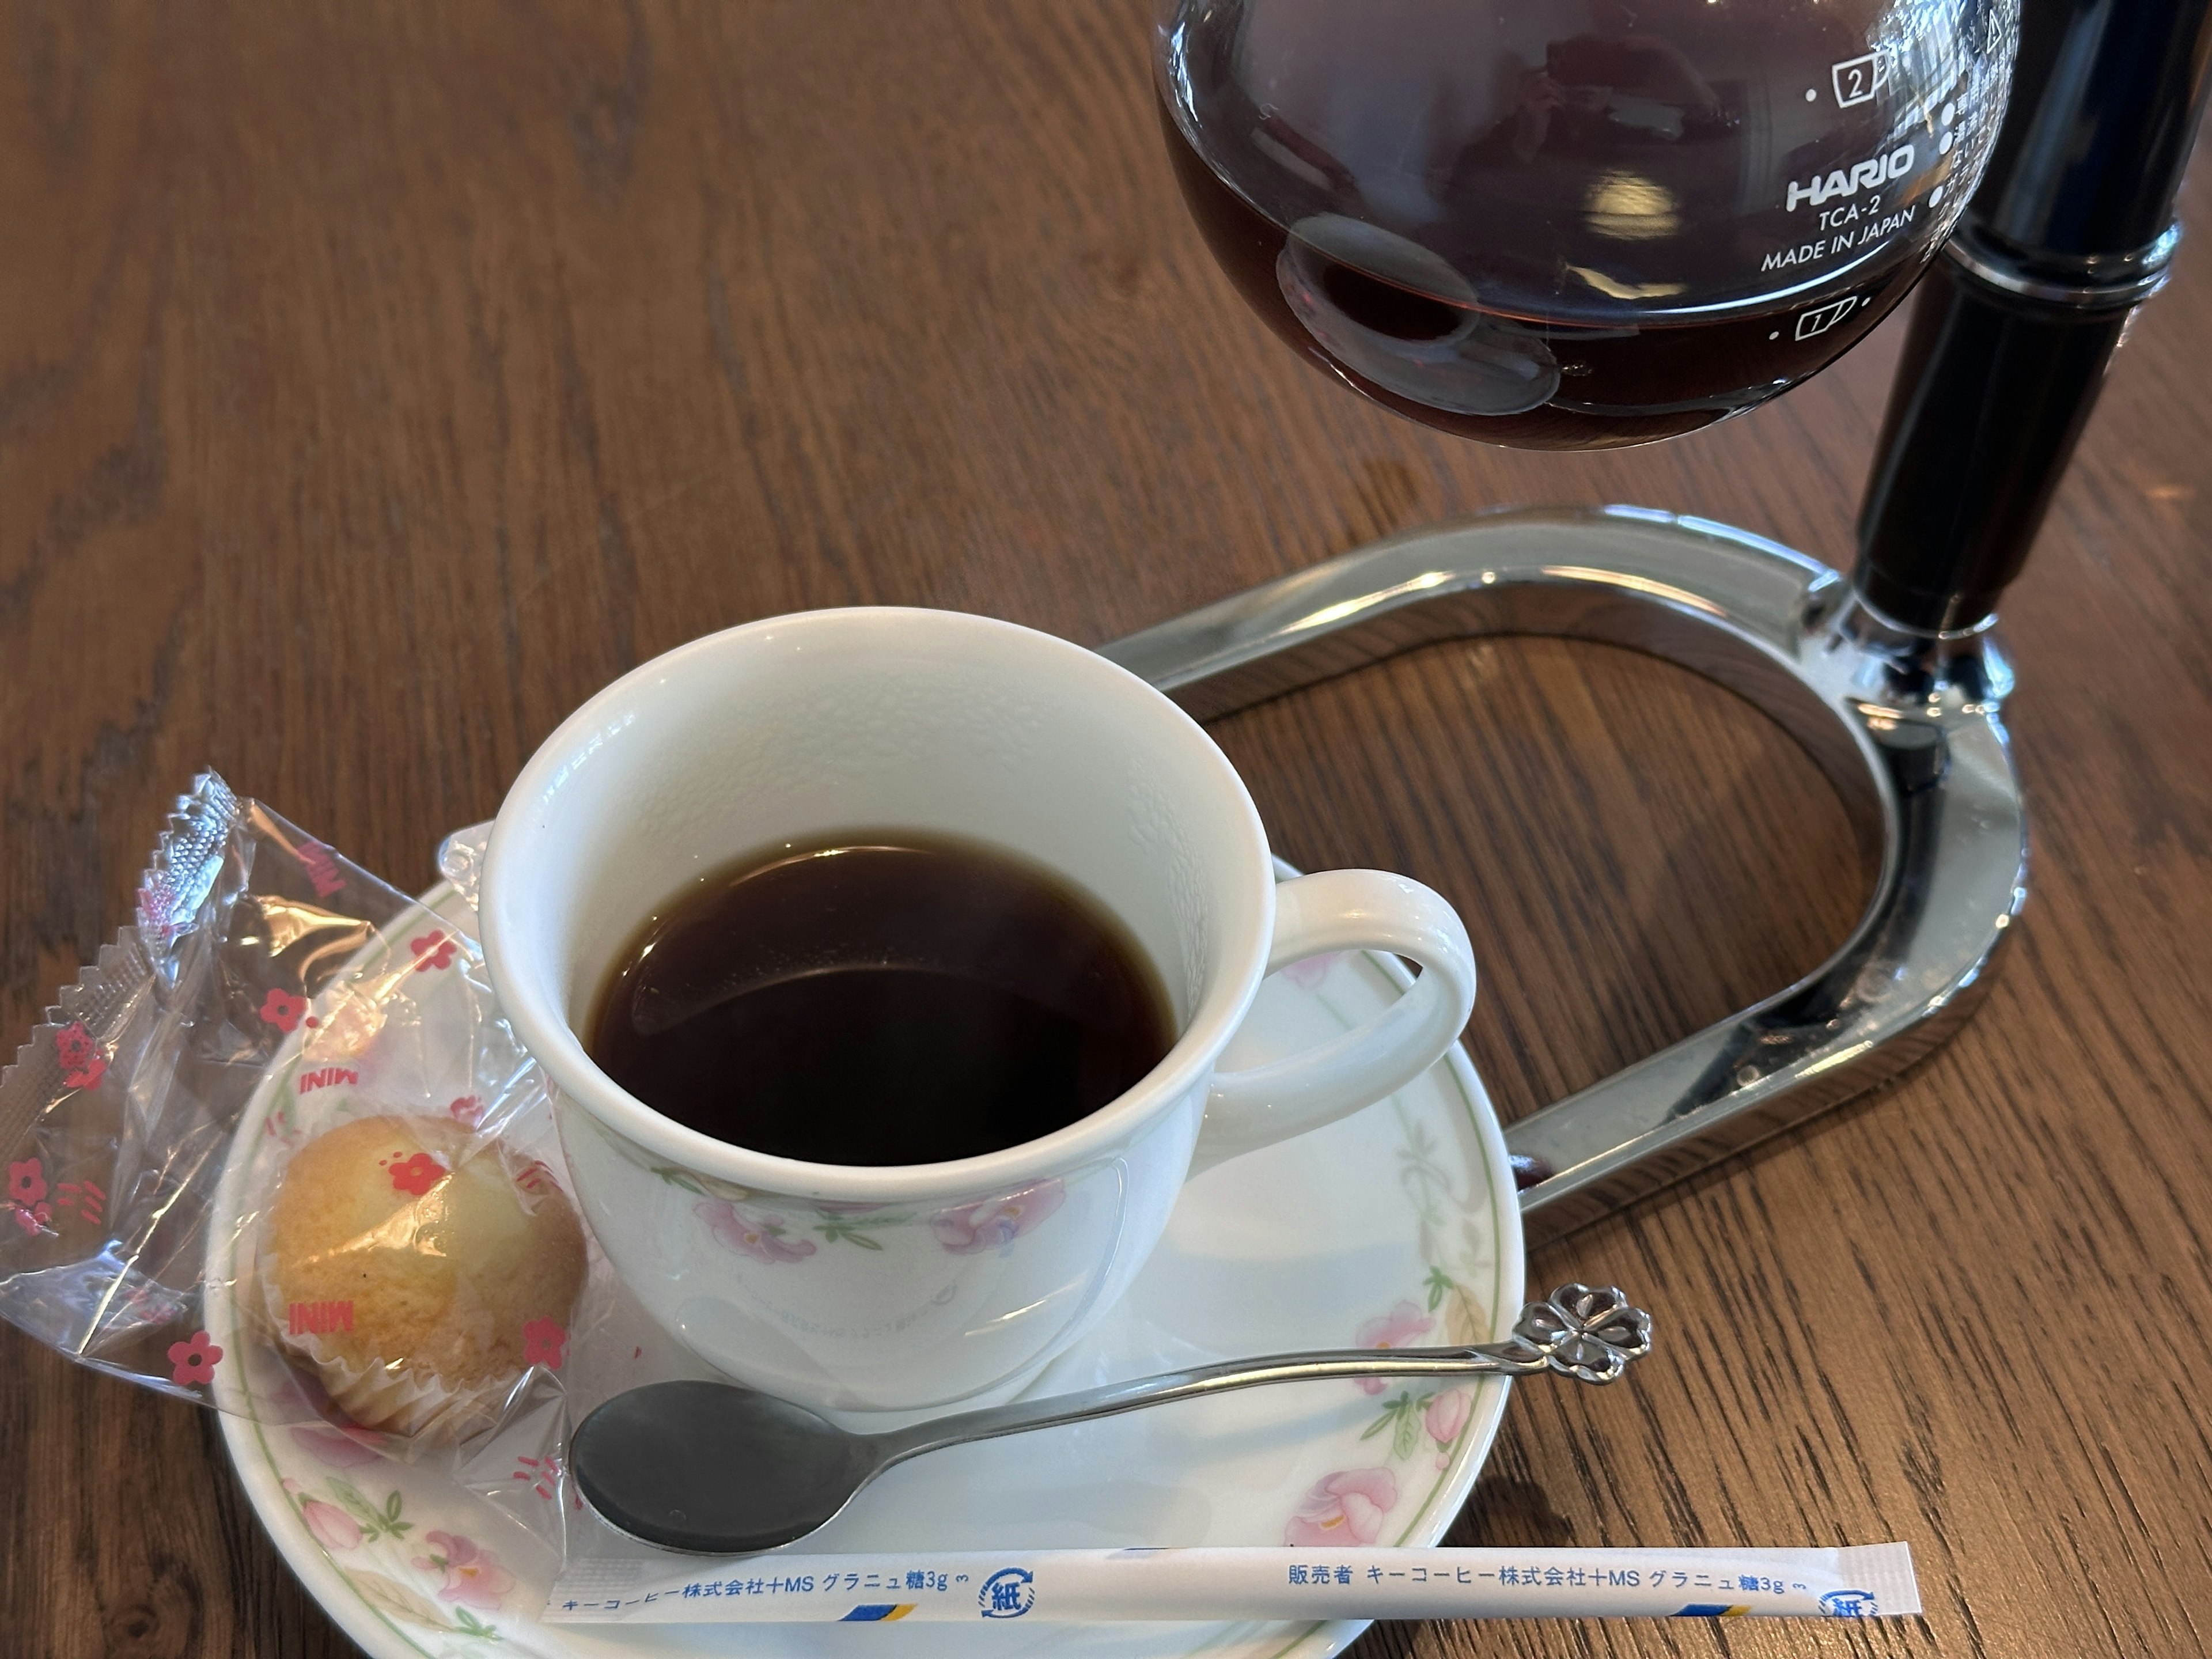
pixel 1399 1223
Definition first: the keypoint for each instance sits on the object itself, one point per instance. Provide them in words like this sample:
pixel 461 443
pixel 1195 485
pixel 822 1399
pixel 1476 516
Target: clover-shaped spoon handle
pixel 1591 1334
pixel 1585 1332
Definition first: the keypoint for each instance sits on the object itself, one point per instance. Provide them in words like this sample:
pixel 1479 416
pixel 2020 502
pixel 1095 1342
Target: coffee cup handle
pixel 1347 910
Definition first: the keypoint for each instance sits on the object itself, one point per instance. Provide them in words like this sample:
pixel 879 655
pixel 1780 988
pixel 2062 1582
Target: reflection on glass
pixel 1579 224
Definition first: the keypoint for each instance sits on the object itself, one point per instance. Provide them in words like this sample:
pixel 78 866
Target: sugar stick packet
pixel 1176 1585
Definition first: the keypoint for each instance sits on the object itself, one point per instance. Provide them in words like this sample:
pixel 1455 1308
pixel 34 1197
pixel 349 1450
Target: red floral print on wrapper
pixel 542 1340
pixel 82 1064
pixel 1394 1329
pixel 474 1578
pixel 27 1191
pixel 282 1009
pixel 26 1182
pixel 431 951
pixel 195 1360
pixel 1344 1509
pixel 995 1223
pixel 417 1175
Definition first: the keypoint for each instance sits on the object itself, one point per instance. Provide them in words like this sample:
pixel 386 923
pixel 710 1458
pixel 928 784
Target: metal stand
pixel 1890 680
pixel 1905 727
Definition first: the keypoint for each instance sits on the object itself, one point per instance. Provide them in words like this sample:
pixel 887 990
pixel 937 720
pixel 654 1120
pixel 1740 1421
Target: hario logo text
pixel 1864 176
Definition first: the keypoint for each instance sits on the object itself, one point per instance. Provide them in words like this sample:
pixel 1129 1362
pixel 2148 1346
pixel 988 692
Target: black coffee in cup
pixel 880 1000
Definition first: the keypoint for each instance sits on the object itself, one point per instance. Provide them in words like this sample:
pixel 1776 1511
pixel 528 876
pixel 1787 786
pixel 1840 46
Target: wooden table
pixel 377 382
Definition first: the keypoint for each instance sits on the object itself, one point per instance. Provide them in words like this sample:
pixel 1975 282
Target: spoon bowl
pixel 717 1469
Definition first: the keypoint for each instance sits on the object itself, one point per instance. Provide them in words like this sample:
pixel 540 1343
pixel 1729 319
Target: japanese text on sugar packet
pixel 1338 1572
pixel 919 1581
pixel 914 1581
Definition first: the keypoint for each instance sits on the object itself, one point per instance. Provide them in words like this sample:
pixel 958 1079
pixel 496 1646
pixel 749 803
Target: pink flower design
pixel 1308 974
pixel 1344 1509
pixel 468 1111
pixel 82 1064
pixel 759 1237
pixel 541 1342
pixel 282 1009
pixel 196 1360
pixel 474 1576
pixel 992 1224
pixel 1445 1417
pixel 431 951
pixel 333 1528
pixel 1394 1329
pixel 340 1448
pixel 417 1175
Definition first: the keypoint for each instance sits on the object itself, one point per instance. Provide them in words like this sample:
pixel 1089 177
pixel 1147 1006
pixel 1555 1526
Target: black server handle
pixel 2071 229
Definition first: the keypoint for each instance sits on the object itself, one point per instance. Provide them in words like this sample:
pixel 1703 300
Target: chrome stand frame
pixel 1905 725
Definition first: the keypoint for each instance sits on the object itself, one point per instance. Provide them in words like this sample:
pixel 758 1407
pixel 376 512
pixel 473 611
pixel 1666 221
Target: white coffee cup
pixel 861 1288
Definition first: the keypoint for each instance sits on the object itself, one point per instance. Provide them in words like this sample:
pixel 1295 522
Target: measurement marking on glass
pixel 1857 79
pixel 1821 318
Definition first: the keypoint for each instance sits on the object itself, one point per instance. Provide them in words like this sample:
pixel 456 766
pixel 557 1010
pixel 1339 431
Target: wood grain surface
pixel 377 381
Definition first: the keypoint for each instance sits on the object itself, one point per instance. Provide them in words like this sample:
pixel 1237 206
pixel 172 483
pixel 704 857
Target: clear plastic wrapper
pixel 277 1152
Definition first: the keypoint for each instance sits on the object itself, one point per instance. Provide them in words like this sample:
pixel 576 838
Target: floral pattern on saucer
pixel 1422 1423
pixel 410 1561
pixel 446 1588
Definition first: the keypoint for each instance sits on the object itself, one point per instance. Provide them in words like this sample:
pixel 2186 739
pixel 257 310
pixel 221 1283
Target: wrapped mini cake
pixel 419 1275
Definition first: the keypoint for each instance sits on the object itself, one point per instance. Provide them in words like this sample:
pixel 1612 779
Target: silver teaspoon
pixel 718 1469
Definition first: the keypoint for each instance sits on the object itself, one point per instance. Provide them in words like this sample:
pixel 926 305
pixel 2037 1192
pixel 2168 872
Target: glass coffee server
pixel 1577 224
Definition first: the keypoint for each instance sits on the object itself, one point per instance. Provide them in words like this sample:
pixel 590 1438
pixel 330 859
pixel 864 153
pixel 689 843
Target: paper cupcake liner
pixel 415 1404
pixel 399 1397
pixel 399 1393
